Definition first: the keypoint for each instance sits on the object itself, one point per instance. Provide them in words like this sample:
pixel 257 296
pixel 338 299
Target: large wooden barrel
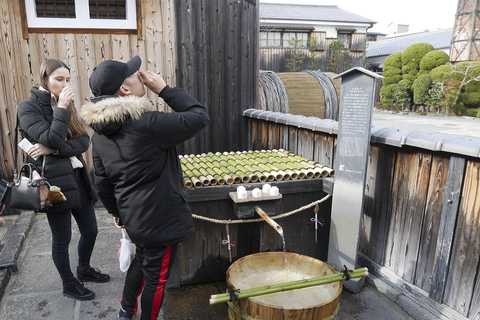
pixel 268 268
pixel 305 94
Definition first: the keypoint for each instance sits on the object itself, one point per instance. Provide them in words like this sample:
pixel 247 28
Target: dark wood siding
pixel 421 219
pixel 218 65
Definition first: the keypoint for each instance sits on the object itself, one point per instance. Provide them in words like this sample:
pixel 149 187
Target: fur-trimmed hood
pixel 106 116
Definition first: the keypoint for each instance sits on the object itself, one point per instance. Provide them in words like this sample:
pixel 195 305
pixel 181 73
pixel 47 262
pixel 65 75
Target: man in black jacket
pixel 138 173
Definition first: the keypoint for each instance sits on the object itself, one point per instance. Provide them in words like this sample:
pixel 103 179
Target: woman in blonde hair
pixel 48 119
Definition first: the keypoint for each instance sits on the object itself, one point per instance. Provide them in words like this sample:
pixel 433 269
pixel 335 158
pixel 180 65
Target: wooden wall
pixel 421 219
pixel 218 63
pixel 207 47
pixel 21 58
pixel 325 59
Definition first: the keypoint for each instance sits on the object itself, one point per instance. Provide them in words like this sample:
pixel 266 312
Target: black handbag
pixel 29 193
pixel 29 189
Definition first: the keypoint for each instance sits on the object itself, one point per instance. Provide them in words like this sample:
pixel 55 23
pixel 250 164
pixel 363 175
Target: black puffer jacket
pixel 137 169
pixel 39 123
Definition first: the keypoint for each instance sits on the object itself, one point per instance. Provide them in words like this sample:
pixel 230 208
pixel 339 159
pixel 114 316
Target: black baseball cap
pixel 109 75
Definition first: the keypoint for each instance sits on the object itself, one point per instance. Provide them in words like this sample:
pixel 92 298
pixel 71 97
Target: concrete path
pixel 465 127
pixel 35 292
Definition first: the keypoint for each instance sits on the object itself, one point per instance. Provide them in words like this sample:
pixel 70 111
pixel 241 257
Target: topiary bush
pixel 386 96
pixel 436 97
pixel 433 59
pixel 471 112
pixel 402 96
pixel 420 89
pixel 441 73
pixel 411 58
pixel 392 69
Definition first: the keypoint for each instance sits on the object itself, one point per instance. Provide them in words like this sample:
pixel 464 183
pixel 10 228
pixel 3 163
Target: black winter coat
pixel 39 123
pixel 137 169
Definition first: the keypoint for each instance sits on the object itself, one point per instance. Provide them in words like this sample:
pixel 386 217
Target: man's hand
pixel 153 81
pixel 116 220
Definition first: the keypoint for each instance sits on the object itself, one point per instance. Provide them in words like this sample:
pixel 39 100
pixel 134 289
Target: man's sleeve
pixel 105 188
pixel 189 118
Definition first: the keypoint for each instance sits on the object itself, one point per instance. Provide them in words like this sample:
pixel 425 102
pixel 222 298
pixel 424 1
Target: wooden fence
pixel 207 47
pixel 421 221
pixel 218 64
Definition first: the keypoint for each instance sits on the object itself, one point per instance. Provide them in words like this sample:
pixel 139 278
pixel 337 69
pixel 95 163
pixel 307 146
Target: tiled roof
pixel 439 39
pixel 278 11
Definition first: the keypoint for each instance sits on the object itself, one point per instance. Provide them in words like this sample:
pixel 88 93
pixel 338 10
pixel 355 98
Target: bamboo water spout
pixel 287 286
pixel 269 220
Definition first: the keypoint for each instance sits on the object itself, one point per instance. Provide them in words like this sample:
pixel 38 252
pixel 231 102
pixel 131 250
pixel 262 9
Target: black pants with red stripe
pixel 147 275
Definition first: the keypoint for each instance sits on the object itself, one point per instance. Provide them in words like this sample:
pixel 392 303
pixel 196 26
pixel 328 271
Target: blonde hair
pixel 76 127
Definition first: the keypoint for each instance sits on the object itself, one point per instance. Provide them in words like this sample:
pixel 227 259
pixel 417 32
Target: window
pixel 301 39
pixel 283 39
pixel 271 39
pixel 81 14
pixel 345 39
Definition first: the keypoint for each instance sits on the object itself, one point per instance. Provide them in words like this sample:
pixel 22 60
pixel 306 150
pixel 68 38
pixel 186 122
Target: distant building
pixel 280 24
pixel 378 51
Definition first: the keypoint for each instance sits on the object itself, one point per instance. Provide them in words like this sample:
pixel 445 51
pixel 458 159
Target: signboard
pixel 355 117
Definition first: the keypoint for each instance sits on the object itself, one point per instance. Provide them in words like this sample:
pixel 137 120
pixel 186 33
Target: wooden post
pixel 451 204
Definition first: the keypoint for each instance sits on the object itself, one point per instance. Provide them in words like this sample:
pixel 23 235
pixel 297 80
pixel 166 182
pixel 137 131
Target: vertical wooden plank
pixel 275 136
pixel 255 136
pixel 446 228
pixel 263 126
pixel 306 143
pixel 409 197
pixel 292 139
pixel 323 151
pixel 376 213
pixel 465 253
pixel 431 223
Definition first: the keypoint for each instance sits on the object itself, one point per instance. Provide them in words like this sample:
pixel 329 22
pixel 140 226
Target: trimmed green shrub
pixel 402 96
pixel 433 59
pixel 420 89
pixel 472 112
pixel 470 98
pixel 436 97
pixel 386 96
pixel 459 109
pixel 440 73
pixel 411 58
pixel 392 69
pixel 415 53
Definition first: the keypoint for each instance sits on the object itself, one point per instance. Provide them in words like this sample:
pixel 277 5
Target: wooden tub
pixel 267 268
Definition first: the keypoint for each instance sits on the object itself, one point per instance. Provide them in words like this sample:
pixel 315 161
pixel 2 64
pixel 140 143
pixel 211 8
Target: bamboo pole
pixel 292 285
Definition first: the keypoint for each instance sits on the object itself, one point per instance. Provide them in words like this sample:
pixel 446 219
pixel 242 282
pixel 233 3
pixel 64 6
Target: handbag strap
pixel 15 172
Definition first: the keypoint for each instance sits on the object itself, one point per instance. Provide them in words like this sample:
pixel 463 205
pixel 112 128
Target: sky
pixel 420 15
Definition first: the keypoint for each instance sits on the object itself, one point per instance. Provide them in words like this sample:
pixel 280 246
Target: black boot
pixel 76 290
pixel 91 275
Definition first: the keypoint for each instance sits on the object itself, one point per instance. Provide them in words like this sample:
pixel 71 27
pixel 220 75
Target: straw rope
pixel 280 216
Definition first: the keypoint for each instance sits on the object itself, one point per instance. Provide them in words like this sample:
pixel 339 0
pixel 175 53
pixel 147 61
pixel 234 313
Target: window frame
pixel 33 24
pixel 348 43
pixel 282 42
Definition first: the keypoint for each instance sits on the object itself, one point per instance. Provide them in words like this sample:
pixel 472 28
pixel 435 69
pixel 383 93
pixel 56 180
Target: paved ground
pixel 35 292
pixel 466 127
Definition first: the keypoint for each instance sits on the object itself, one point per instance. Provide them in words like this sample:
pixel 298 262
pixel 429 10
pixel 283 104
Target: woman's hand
pixel 38 150
pixel 65 97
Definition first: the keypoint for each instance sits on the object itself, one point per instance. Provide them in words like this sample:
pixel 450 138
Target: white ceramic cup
pixel 266 188
pixel 274 191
